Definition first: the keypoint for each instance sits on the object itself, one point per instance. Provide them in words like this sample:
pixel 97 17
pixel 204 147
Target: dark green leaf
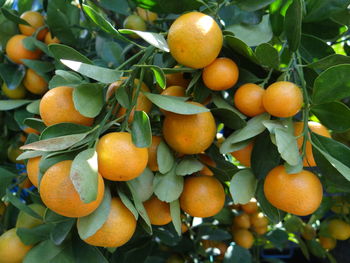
pixel 278 238
pixel 30 236
pixel 292 24
pixel 158 74
pixel 330 61
pixel 13 17
pixel 36 124
pixel 315 248
pixel 63 52
pixel 240 47
pixel 12 75
pixel 126 201
pixel 267 55
pixel 141 130
pixel 253 5
pixel 318 10
pixel 237 254
pixel 60 232
pixel 312 48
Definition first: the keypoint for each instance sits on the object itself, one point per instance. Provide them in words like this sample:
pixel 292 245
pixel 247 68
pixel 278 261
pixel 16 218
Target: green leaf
pixel 60 232
pixel 63 52
pixel 278 238
pixel 126 201
pixel 88 225
pixel 84 175
pixel 13 199
pixel 31 236
pixel 65 78
pixel 292 24
pixel 312 48
pixel 38 65
pixel 12 75
pixel 240 47
pixel 329 61
pixel 165 158
pixel 254 127
pixel 188 165
pixel 62 129
pixel 34 107
pixel 175 213
pixel 88 99
pixel 315 248
pixel 242 186
pixel 104 75
pixel 86 253
pixel 237 254
pixel 143 184
pixel 35 124
pixel 174 104
pixel 158 74
pixel 318 10
pixel 253 5
pixel 13 17
pixel 141 130
pixel 163 182
pixel 332 84
pixel 267 55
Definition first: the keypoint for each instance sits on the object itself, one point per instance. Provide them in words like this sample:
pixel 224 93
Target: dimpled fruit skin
pixel 157 211
pixel 118 228
pixel 118 158
pixel 57 106
pixel 202 196
pixel 195 40
pixel 33 170
pixel 189 134
pixel 248 99
pixel 299 194
pixel 35 83
pixel 16 51
pixel 58 193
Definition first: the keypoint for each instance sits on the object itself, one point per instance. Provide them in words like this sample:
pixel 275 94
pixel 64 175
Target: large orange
pixel 35 83
pixel 176 91
pixel 189 134
pixel 118 228
pixel 12 249
pixel 243 155
pixel 16 51
pixel 314 127
pixel 57 106
pixel 58 193
pixel 152 153
pixel 202 196
pixel 35 20
pixel 51 40
pixel 33 170
pixel 283 99
pixel 243 238
pixel 248 99
pixel 195 40
pixel 118 158
pixel 221 74
pixel 299 194
pixel 157 211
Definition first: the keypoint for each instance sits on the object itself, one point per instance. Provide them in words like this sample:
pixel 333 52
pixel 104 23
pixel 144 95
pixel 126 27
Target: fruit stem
pixel 267 78
pixel 131 59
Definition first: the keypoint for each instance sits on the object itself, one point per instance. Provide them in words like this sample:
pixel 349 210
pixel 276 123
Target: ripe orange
pixel 17 93
pixel 258 220
pixel 118 158
pixel 202 196
pixel 241 221
pixel 157 211
pixel 146 15
pixel 308 232
pixel 35 83
pixel 221 74
pixel 314 127
pixel 12 249
pixel 195 40
pixel 339 229
pixel 35 20
pixel 248 99
pixel 152 153
pixel 57 106
pixel 206 160
pixel 49 40
pixel 251 207
pixel 27 221
pixel 260 230
pixel 328 243
pixel 301 195
pixel 243 238
pixel 118 228
pixel 189 134
pixel 177 79
pixel 283 99
pixel 16 51
pixel 243 155
pixel 134 22
pixel 58 193
pixel 33 170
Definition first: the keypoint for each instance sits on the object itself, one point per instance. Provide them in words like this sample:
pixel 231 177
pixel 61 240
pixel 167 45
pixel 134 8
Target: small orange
pixel 243 238
pixel 302 192
pixel 244 155
pixel 206 160
pixel 49 40
pixel 157 211
pixel 339 229
pixel 258 220
pixel 308 232
pixel 58 192
pixel 177 79
pixel 241 221
pixel 57 106
pixel 221 74
pixel 33 170
pixel 17 93
pixel 118 228
pixel 35 83
pixel 251 207
pixel 283 99
pixel 134 22
pixel 177 91
pixel 328 242
pixel 260 230
pixel 146 15
pixel 202 196
pixel 16 51
pixel 248 99
pixel 152 153
pixel 35 20
pixel 118 158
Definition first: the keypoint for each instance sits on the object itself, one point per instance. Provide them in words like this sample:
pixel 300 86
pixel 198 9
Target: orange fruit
pixel 328 242
pixel 118 228
pixel 221 74
pixel 157 211
pixel 29 130
pixel 35 20
pixel 58 192
pixel 12 249
pixel 25 220
pixel 308 232
pixel 301 195
pixel 340 205
pixel 248 99
pixel 206 160
pixel 16 51
pixel 26 183
pixel 184 228
pixel 251 207
pixel 146 15
pixel 57 106
pixel 17 93
pixel 243 155
pixel 195 40
pixel 243 238
pixel 134 22
pixel 118 158
pixel 283 99
pixel 241 221
pixel 315 127
pixel 260 230
pixel 339 229
pixel 152 153
pixel 189 134
pixel 202 196
pixel 49 40
pixel 35 83
pixel 33 170
pixel 177 79
pixel 258 220
pixel 177 91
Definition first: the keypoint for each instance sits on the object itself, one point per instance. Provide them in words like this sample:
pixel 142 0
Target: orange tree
pixel 173 131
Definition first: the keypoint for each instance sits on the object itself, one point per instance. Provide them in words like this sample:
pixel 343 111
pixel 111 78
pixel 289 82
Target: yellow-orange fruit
pixel 243 155
pixel 243 238
pixel 157 211
pixel 35 83
pixel 241 221
pixel 33 170
pixel 16 51
pixel 152 153
pixel 35 21
pixel 248 99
